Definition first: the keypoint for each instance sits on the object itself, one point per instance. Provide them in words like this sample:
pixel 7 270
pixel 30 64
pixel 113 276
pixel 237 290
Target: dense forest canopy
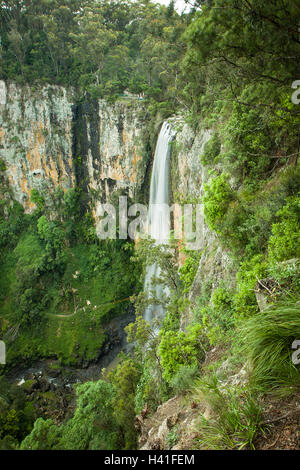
pixel 224 65
pixel 102 47
pixel 244 53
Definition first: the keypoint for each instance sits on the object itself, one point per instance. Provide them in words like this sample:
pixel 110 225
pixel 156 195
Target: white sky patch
pixel 180 5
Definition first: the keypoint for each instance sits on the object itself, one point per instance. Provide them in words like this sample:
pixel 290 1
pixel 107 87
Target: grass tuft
pixel 234 420
pixel 267 340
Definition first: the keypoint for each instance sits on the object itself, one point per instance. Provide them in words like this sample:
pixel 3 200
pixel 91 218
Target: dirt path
pixel 113 302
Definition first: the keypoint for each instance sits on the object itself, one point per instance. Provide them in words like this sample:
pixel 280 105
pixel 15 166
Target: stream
pixel 58 375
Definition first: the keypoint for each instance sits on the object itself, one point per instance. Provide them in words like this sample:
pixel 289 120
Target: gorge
pixel 154 343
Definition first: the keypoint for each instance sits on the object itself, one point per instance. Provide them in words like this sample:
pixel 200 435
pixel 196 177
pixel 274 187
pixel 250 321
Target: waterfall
pixel 158 219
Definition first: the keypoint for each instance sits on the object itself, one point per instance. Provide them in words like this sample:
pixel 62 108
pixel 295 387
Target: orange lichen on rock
pixel 136 158
pixel 2 135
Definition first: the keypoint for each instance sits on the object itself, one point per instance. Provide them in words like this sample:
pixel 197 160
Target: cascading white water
pixel 158 222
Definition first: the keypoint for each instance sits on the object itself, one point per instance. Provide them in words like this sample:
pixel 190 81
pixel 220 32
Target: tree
pixel 124 379
pixel 44 436
pixel 180 348
pixel 93 426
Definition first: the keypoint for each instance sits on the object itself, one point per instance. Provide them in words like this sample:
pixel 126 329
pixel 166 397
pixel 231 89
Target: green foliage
pixel 16 415
pixel 12 222
pixel 151 387
pixel 249 273
pixel 124 379
pixel 99 47
pixel 172 437
pixel 287 277
pixel 284 242
pixel 189 269
pixel 149 390
pixel 246 226
pixel 183 381
pixel 217 197
pixel 44 436
pixel 58 286
pixel 267 338
pixel 217 317
pixel 2 165
pixel 53 236
pixel 180 348
pixel 232 69
pixel 166 258
pixel 37 199
pixel 236 416
pixel 247 140
pixel 244 91
pixel 93 426
pixel 212 150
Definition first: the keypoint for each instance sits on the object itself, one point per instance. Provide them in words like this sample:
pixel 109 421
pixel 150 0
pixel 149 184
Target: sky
pixel 179 4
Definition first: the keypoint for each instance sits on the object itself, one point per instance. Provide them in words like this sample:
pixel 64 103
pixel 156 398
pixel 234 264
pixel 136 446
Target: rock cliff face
pixel 188 174
pixel 36 139
pixel 189 177
pixel 122 149
pixel 172 427
pixel 110 150
pixel 191 174
pixel 47 140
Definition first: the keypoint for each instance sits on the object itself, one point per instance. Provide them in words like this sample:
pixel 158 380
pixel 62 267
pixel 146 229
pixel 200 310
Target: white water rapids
pixel 158 221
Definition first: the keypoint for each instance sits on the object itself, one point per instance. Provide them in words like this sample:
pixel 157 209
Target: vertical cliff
pixel 188 178
pixel 36 139
pixel 47 139
pixel 110 148
pixel 188 174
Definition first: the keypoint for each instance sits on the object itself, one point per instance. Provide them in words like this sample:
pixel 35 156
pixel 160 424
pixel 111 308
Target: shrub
pixel 145 391
pixel 38 200
pixel 267 340
pixel 236 417
pixel 180 348
pixel 172 437
pixel 218 195
pixel 246 226
pixel 212 150
pixel 189 269
pixel 124 379
pixel 285 240
pixel 217 316
pixel 287 276
pixel 247 140
pixel 44 436
pixel 244 300
pixel 92 426
pixel 16 414
pixel 184 379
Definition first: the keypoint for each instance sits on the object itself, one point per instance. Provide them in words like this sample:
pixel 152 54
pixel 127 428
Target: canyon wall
pixel 188 177
pixel 47 140
pixel 110 149
pixel 36 139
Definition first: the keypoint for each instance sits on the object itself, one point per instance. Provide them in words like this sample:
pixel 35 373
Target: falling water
pixel 158 221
